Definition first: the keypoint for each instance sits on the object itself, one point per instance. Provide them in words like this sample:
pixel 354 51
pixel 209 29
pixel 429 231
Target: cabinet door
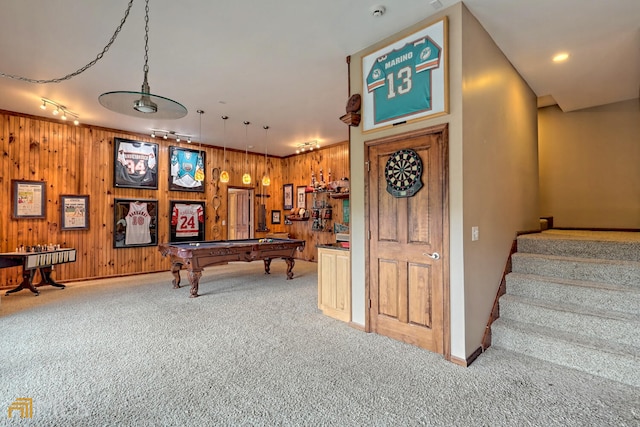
pixel 334 283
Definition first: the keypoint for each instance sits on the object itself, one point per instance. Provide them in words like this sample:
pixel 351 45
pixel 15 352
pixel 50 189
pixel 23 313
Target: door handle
pixel 434 255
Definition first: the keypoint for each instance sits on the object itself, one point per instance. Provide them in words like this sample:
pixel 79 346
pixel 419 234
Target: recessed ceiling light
pixel 561 57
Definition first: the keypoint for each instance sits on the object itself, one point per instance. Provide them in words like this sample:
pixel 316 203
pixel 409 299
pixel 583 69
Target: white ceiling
pixel 283 63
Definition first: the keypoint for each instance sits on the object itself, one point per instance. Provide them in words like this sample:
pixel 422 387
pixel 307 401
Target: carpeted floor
pixel 255 350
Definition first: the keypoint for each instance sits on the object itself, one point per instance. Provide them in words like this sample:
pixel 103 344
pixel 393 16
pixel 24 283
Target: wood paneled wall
pixel 79 160
pixel 334 158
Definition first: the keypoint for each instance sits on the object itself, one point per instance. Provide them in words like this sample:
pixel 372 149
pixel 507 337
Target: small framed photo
pixel 288 196
pixel 186 168
pixel 74 212
pixel 135 164
pixel 135 223
pixel 29 199
pixel 275 217
pixel 302 197
pixel 187 221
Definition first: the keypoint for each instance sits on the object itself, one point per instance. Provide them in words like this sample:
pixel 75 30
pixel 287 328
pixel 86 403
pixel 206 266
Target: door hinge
pixel 368 163
pixel 369 302
pixel 369 234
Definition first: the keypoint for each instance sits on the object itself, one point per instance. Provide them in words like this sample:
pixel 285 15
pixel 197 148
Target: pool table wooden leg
pixel 194 279
pixel 267 266
pixel 175 270
pixel 290 263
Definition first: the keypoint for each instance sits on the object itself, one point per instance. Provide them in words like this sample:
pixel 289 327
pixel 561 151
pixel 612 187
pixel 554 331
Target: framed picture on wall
pixel 74 212
pixel 275 217
pixel 29 199
pixel 135 223
pixel 135 164
pixel 186 169
pixel 406 80
pixel 301 197
pixel 187 221
pixel 288 196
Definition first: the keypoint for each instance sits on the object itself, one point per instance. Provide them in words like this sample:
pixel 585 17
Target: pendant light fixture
pixel 199 174
pixel 246 178
pixel 224 175
pixel 266 181
pixel 143 104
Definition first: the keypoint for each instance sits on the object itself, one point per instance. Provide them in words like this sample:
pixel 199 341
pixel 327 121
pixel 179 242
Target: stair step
pixel 626 273
pixel 583 293
pixel 618 327
pixel 592 355
pixel 612 245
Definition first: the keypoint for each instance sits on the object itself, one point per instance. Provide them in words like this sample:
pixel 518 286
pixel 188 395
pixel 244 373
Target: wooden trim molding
pixel 469 360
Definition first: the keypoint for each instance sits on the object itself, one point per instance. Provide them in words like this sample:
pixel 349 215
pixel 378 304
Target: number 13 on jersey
pixel 400 81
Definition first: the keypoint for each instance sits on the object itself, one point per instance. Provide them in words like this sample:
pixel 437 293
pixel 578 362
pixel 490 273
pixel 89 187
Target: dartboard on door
pixel 403 173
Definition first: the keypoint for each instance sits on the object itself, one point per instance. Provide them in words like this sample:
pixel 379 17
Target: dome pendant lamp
pixel 224 175
pixel 246 178
pixel 143 104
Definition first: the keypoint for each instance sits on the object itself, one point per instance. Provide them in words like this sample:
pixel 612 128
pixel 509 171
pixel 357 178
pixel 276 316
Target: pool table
pixel 194 256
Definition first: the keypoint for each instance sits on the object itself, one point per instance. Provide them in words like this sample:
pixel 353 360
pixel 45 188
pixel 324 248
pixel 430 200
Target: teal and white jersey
pixel 401 80
pixel 185 166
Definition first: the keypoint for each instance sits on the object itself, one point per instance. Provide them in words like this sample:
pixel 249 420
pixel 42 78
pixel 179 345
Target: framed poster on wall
pixel 406 80
pixel 187 221
pixel 28 198
pixel 301 197
pixel 135 164
pixel 74 212
pixel 275 217
pixel 288 196
pixel 135 223
pixel 186 168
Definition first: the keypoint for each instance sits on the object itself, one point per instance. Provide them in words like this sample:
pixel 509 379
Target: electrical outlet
pixel 475 233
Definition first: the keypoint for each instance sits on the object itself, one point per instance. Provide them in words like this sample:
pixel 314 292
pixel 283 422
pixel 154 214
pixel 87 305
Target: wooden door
pixel 407 287
pixel 242 225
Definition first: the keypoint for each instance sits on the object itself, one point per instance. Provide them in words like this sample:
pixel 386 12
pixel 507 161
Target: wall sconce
pixel 60 110
pixel 307 146
pixel 169 134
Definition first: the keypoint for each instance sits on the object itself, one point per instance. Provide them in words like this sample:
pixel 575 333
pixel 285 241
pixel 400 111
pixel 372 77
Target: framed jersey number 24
pixel 406 80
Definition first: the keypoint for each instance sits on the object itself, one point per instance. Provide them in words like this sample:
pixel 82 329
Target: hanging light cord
pixel 266 142
pixel 246 142
pixel 92 63
pixel 200 112
pixel 224 135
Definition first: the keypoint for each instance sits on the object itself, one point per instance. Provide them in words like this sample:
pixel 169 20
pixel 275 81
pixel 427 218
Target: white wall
pixel 590 166
pixel 500 163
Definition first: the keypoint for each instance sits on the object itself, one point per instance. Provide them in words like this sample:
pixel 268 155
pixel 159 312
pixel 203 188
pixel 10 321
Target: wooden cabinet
pixel 334 283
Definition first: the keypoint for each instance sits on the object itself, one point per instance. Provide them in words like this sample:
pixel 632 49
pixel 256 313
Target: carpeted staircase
pixel 573 298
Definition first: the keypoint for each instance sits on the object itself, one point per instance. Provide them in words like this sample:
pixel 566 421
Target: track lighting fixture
pixel 307 146
pixel 60 110
pixel 169 134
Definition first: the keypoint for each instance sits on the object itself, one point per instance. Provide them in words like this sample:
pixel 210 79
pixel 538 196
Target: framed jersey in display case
pixel 406 80
pixel 186 169
pixel 187 221
pixel 135 164
pixel 135 223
